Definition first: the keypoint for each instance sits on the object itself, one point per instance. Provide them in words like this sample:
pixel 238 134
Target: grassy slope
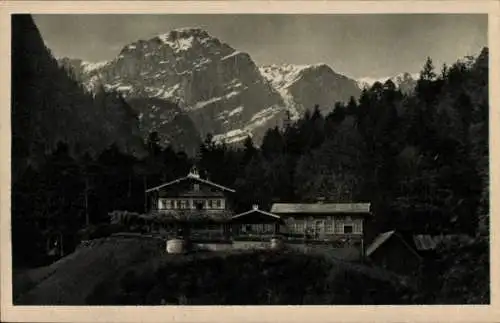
pixel 70 280
pixel 122 271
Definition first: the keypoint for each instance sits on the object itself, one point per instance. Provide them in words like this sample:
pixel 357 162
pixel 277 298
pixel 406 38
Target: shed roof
pixel 379 240
pixel 384 237
pixel 419 243
pixel 283 208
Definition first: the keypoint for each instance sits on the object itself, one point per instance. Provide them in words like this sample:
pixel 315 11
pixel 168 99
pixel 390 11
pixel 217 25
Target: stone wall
pixel 348 253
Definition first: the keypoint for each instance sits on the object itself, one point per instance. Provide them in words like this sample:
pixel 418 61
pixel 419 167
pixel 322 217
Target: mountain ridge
pixel 219 88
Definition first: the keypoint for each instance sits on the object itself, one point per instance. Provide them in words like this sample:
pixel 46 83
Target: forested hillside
pixel 56 127
pixel 49 106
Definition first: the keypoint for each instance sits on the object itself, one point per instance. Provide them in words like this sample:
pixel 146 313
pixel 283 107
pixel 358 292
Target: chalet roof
pixel 255 209
pixel 283 208
pixel 193 177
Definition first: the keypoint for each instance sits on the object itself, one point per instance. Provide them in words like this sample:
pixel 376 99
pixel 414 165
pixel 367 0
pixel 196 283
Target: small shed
pixel 393 251
pixel 405 252
pixel 255 223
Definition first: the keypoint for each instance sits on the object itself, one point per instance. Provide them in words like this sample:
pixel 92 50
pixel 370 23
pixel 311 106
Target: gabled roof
pixel 282 208
pixel 193 177
pixel 384 237
pixel 255 209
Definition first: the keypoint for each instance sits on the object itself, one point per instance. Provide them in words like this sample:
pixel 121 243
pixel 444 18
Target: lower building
pixel 321 221
pixel 256 224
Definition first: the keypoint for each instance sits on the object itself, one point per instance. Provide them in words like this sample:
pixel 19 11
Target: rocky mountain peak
pixel 187 33
pixel 179 43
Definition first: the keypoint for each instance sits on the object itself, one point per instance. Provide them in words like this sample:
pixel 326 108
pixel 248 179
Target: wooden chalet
pixel 323 221
pixel 191 207
pixel 200 213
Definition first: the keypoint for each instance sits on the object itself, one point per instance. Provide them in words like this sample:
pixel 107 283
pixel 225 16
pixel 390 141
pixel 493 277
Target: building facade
pixel 199 210
pixel 323 221
pixel 190 206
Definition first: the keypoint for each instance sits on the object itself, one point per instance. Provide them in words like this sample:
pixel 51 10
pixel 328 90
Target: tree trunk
pixel 129 185
pixel 144 180
pixel 87 219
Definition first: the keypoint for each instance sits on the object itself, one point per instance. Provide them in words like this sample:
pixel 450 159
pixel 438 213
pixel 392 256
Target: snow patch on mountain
pixel 235 53
pixel 170 92
pixel 89 67
pixel 282 76
pixel 232 136
pixel 260 120
pixel 238 110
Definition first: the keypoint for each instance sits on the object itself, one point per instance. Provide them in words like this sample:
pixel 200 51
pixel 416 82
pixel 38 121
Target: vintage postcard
pixel 249 161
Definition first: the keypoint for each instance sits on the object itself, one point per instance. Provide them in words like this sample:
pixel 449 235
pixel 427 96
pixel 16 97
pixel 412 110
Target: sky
pixel 367 45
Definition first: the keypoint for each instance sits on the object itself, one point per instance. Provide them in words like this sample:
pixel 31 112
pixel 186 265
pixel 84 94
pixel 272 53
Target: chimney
pixel 255 207
pixel 194 172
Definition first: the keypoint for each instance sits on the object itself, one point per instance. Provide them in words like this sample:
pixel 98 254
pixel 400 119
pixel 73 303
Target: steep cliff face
pixel 221 90
pixel 50 107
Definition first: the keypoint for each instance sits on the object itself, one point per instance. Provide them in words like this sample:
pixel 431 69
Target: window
pixel 196 187
pixel 172 204
pixel 219 204
pixel 298 227
pixel 348 228
pixel 257 227
pixel 329 227
pixel 268 227
pixel 210 204
pixel 199 204
pixel 213 227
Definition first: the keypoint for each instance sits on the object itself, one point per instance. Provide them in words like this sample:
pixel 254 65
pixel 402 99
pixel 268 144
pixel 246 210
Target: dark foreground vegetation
pixel 131 271
pixel 421 159
pixel 247 278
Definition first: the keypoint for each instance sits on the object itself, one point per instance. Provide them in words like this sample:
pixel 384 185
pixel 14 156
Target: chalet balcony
pixel 191 215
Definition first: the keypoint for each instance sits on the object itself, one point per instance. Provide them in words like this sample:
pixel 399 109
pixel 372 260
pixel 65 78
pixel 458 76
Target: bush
pixel 249 278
